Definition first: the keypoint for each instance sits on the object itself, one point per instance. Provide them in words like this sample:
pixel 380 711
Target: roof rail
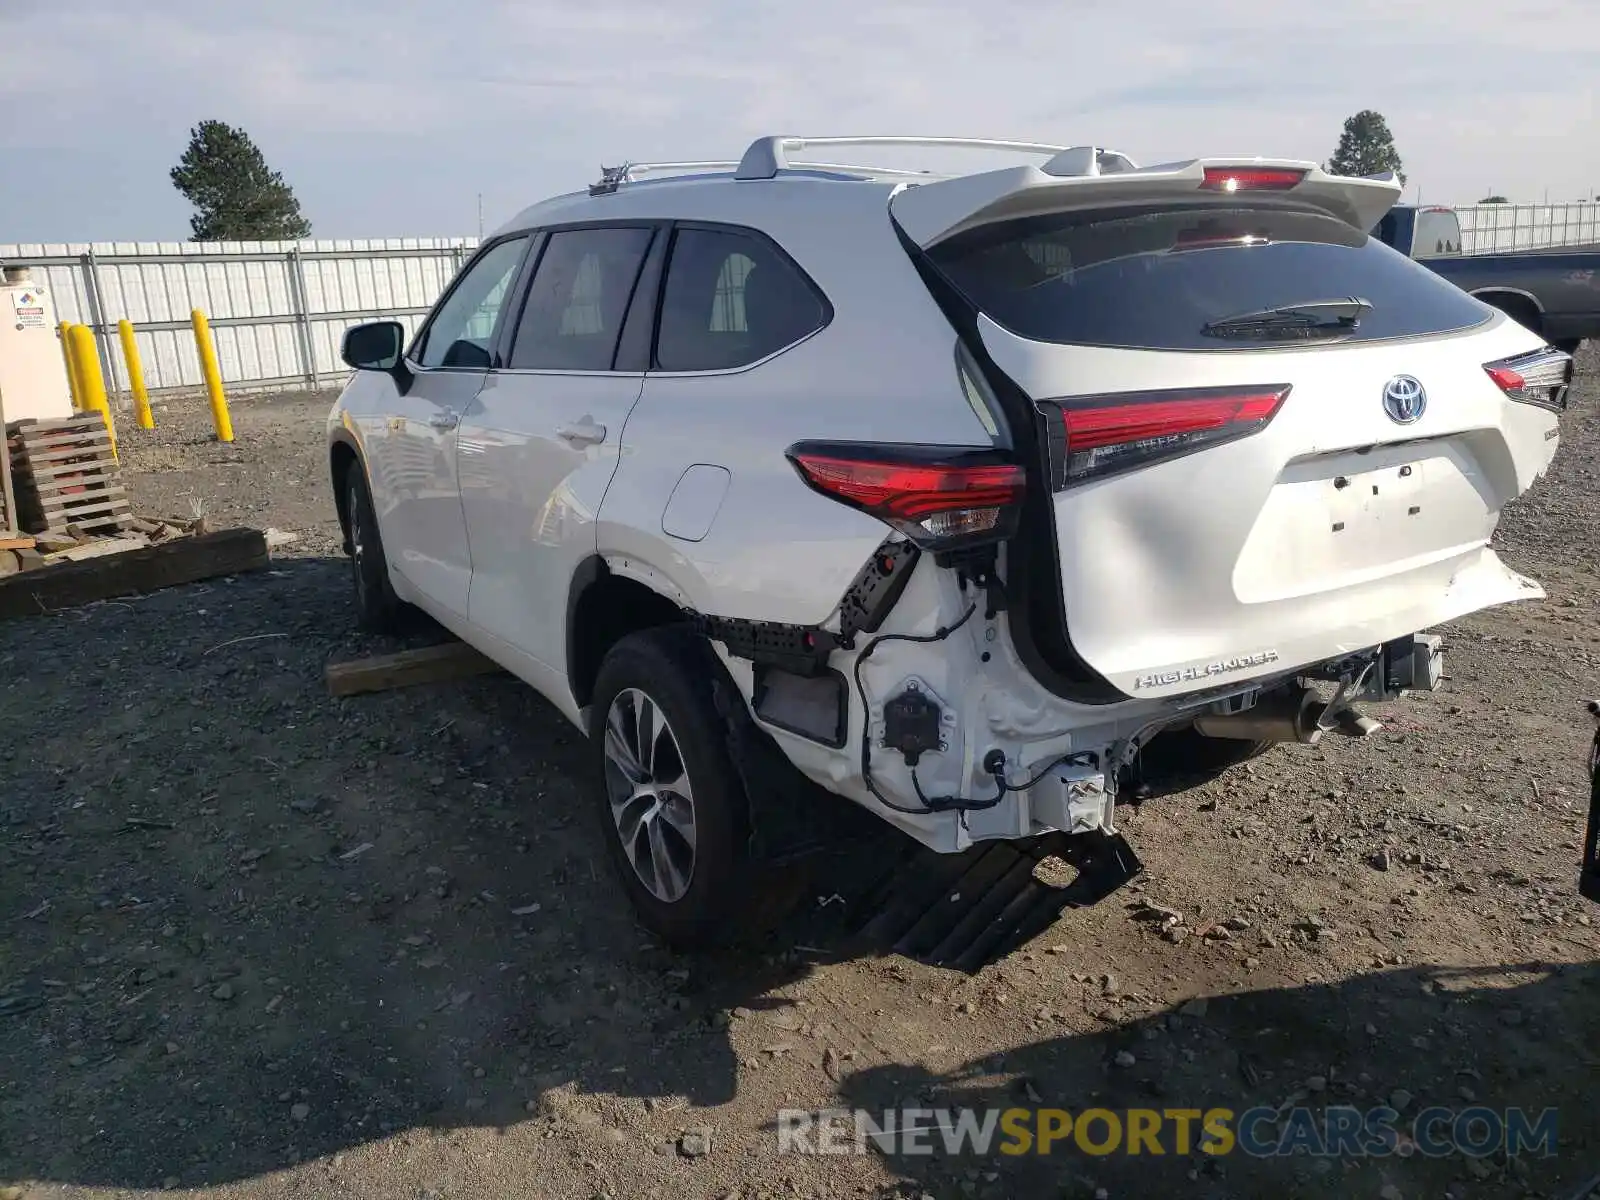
pixel 769 155
pixel 611 178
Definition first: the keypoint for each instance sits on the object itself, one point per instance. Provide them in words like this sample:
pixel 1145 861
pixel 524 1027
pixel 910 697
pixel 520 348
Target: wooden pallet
pixel 9 527
pixel 64 473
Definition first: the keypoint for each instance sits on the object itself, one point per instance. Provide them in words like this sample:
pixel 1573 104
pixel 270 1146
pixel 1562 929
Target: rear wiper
pixel 1314 318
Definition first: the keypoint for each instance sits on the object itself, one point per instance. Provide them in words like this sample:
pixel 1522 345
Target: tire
pixel 684 860
pixel 1569 345
pixel 378 609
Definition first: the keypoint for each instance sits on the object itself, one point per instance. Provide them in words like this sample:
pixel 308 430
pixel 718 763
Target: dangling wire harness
pixel 994 762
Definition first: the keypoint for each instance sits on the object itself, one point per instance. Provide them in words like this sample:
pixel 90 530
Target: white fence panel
pixel 278 310
pixel 1499 228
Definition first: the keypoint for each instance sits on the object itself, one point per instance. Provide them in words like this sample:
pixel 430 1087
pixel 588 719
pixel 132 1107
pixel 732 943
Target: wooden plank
pixel 429 664
pixel 84 420
pixel 101 548
pixel 89 439
pixel 63 514
pixel 77 484
pixel 19 541
pixel 62 455
pixel 183 560
pixel 42 475
pixel 86 501
pixel 89 420
pixel 9 522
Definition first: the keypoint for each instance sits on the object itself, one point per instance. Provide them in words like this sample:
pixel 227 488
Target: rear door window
pixel 1154 278
pixel 579 295
pixel 732 298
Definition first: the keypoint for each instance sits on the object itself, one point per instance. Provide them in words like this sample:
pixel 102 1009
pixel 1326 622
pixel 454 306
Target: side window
pixel 579 296
pixel 1438 232
pixel 461 333
pixel 731 299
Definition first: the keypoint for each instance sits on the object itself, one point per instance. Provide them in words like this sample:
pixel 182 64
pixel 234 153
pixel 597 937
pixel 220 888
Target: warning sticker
pixel 29 306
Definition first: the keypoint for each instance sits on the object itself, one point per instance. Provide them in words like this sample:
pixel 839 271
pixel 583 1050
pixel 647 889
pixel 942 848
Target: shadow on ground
pixel 246 925
pixel 1518 1036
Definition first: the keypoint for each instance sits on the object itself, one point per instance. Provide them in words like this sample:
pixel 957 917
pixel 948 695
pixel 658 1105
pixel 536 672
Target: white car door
pixel 413 460
pixel 538 445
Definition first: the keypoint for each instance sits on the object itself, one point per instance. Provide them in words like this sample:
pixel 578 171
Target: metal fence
pixel 1496 228
pixel 278 309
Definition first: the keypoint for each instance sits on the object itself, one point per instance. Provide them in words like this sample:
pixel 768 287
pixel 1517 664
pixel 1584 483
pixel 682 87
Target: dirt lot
pixel 255 941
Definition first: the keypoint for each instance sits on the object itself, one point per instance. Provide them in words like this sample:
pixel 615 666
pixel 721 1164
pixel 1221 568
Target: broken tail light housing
pixel 1251 179
pixel 941 497
pixel 1091 437
pixel 1541 377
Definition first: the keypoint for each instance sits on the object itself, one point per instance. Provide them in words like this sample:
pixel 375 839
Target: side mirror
pixel 375 346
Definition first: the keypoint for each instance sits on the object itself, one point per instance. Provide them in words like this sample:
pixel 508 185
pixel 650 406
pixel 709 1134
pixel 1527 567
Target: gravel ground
pixel 255 941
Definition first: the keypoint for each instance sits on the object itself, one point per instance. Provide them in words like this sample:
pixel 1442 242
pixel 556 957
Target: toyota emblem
pixel 1404 399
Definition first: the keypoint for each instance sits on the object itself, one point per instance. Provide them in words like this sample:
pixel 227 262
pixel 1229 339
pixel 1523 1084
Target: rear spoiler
pixel 931 212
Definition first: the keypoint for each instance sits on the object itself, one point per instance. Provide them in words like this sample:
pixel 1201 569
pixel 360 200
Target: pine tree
pixel 235 195
pixel 1366 147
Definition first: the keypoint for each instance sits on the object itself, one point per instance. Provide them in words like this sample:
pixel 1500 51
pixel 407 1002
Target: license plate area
pixel 1340 520
pixel 1373 503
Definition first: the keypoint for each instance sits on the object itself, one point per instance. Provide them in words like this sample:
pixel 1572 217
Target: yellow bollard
pixel 74 384
pixel 91 379
pixel 212 375
pixel 130 355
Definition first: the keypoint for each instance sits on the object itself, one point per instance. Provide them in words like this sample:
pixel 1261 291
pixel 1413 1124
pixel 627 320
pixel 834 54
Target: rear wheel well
pixel 1518 307
pixel 341 458
pixel 603 609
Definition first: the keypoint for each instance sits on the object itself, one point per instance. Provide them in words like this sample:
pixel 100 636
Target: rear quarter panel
pixel 883 370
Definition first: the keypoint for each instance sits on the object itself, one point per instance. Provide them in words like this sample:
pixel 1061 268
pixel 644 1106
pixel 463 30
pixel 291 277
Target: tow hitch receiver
pixel 1589 880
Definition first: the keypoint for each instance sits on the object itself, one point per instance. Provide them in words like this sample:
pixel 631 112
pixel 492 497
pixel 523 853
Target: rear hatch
pixel 1270 439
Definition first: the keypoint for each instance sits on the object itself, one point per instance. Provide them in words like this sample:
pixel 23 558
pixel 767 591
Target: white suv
pixel 945 493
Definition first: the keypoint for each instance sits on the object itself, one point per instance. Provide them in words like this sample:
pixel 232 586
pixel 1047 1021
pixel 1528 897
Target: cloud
pixel 389 118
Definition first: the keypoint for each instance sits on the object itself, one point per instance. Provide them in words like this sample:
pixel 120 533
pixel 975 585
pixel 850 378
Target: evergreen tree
pixel 235 195
pixel 1366 147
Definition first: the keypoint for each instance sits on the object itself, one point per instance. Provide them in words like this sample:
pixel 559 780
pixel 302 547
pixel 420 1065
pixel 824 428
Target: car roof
pixel 712 195
pixel 685 190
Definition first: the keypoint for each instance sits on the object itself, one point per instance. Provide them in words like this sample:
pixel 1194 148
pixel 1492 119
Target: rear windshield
pixel 1154 278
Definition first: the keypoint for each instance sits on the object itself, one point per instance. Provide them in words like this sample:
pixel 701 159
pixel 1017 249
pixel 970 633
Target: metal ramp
pixel 966 911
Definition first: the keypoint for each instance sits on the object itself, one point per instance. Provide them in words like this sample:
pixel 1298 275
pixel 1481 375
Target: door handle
pixel 583 433
pixel 445 419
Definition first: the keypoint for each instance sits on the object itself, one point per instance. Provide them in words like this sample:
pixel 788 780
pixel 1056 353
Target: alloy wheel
pixel 651 800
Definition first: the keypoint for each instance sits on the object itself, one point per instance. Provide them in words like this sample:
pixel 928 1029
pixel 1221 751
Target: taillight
pixel 1098 436
pixel 1541 377
pixel 941 497
pixel 1251 179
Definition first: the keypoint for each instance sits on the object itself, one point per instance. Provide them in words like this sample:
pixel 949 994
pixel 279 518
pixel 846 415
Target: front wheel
pixel 378 609
pixel 673 811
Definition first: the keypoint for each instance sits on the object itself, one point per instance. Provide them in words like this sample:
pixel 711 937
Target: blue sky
pixel 389 118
